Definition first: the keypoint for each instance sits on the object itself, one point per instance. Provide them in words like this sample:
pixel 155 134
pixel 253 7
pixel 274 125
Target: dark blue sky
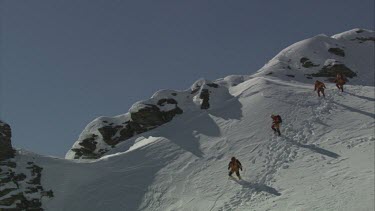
pixel 63 63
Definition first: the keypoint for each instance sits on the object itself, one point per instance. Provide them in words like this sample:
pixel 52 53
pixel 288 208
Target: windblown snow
pixel 324 159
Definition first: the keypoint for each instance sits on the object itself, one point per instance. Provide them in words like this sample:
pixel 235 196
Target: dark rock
pixel 101 152
pixel 89 143
pixel 31 190
pixel 15 198
pixel 168 115
pixel 292 76
pixel 332 70
pixel 6 191
pixel 5 180
pixel 127 132
pixel 12 199
pixel 84 153
pixel 39 187
pixel 10 164
pixel 205 96
pixel 195 90
pixel 270 73
pixel 149 116
pixel 359 31
pixel 174 94
pixel 161 102
pixel 6 150
pixel 108 132
pixel 213 85
pixel 364 39
pixel 337 51
pixel 37 172
pixel 21 202
pixel 306 63
pixel 136 128
pixel 49 193
pixel 308 77
pixel 19 177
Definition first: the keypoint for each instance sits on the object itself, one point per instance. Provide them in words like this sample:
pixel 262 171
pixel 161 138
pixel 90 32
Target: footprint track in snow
pixel 277 153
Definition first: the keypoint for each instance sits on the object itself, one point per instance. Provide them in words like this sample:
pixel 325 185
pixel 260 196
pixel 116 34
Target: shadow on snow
pixel 314 148
pixel 372 115
pixel 361 97
pixel 258 187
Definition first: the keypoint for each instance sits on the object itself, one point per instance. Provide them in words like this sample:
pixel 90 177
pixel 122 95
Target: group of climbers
pixel 340 80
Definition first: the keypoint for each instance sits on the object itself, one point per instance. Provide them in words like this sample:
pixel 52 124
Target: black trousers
pixel 237 173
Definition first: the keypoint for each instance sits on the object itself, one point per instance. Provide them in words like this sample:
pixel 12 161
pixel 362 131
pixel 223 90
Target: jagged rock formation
pixel 20 187
pixel 337 51
pixel 306 63
pixel 105 133
pixel 6 150
pixel 332 68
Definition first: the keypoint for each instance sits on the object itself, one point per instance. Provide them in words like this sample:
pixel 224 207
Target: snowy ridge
pixel 102 134
pixel 350 52
pixel 323 160
pixel 165 170
pixel 354 49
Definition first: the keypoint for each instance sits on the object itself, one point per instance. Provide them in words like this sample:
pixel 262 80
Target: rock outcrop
pixel 20 186
pixel 337 51
pixel 332 68
pixel 307 63
pixel 104 133
pixel 6 150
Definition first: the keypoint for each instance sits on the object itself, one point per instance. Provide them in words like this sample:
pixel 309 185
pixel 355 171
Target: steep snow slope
pixel 323 160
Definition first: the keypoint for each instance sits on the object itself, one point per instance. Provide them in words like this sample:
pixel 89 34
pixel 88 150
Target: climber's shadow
pixel 258 187
pixel 361 97
pixel 314 148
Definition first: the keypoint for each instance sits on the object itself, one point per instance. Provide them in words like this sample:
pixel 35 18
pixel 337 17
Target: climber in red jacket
pixel 276 121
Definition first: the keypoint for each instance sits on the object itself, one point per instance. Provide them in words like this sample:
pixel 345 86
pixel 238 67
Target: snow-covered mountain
pixel 171 152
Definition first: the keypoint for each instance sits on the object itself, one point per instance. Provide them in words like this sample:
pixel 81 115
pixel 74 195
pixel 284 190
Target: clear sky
pixel 64 63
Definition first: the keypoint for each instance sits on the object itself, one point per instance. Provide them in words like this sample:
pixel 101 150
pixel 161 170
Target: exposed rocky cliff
pixel 6 150
pixel 20 182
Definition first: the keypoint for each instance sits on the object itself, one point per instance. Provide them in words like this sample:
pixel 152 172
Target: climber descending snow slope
pixel 178 161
